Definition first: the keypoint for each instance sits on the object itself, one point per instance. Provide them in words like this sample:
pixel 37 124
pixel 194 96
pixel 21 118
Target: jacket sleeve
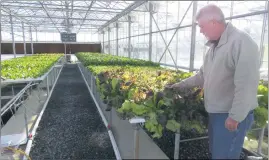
pixel 196 80
pixel 246 60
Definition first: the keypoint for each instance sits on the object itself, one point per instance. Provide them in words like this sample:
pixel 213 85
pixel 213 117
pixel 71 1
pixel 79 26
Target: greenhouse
pixel 94 79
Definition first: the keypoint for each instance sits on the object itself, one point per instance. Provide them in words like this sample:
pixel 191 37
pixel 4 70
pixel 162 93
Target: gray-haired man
pixel 230 78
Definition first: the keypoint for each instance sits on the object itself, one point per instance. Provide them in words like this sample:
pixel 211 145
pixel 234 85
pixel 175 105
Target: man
pixel 230 77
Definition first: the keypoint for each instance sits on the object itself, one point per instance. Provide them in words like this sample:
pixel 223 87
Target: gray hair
pixel 211 12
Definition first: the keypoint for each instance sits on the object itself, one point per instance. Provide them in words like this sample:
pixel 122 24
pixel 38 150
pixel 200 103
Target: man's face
pixel 209 29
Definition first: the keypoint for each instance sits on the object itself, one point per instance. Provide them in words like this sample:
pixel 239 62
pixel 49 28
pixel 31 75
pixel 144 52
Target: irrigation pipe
pixel 30 141
pixel 112 139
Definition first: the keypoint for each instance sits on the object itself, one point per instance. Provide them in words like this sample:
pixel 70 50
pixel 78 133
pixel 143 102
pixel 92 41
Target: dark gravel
pixel 197 149
pixel 71 127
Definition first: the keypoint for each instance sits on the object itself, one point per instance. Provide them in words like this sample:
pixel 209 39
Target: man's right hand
pixel 176 86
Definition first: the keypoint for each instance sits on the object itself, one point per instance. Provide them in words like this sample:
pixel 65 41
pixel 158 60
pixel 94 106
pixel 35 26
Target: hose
pixel 19 151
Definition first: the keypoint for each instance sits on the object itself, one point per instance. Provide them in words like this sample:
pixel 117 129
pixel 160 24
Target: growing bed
pixel 17 72
pixel 29 66
pixel 136 88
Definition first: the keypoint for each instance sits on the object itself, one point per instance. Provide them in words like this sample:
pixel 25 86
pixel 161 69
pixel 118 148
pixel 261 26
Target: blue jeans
pixel 224 144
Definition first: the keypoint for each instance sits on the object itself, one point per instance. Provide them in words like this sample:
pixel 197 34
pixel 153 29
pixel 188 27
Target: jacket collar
pixel 224 37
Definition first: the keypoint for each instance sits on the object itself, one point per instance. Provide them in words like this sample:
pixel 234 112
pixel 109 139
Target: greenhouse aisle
pixel 71 127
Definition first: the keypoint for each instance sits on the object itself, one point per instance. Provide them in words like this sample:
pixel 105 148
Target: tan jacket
pixel 230 75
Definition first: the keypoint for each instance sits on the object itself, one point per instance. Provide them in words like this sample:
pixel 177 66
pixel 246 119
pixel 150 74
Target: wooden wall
pixel 6 48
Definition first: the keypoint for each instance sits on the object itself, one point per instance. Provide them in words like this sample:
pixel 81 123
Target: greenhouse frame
pixel 70 69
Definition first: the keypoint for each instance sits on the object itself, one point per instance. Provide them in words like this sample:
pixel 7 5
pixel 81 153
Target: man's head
pixel 211 21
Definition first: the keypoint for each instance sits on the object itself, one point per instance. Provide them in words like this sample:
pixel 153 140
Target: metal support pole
pixel 65 51
pixel 48 88
pixel 31 37
pixel 232 10
pixel 92 84
pixel 166 21
pixel 23 37
pixel 0 84
pixel 157 51
pixel 26 122
pixel 177 142
pixel 129 36
pixel 156 23
pixel 265 18
pixel 259 150
pixel 117 39
pixel 110 119
pixel 144 37
pixel 36 34
pixel 12 89
pixel 177 34
pixel 193 36
pixel 136 140
pixel 150 30
pixel 136 121
pixel 108 37
pixel 53 75
pixel 12 35
pixel 175 31
pixel 38 92
pixel 103 42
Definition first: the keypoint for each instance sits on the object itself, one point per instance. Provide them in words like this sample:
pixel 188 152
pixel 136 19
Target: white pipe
pixel 112 139
pixel 29 144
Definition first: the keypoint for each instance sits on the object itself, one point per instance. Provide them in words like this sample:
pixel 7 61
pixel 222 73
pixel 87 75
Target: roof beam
pixel 56 17
pixel 27 3
pixel 86 14
pixel 40 25
pixel 61 9
pixel 49 16
pixel 16 16
pixel 123 13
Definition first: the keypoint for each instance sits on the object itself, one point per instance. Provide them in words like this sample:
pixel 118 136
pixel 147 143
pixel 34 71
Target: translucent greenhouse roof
pixel 62 16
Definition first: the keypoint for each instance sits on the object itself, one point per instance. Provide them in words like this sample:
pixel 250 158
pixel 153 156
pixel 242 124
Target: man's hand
pixel 231 124
pixel 176 86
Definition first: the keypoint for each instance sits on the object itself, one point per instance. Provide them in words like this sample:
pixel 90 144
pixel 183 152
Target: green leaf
pixel 168 101
pixel 153 118
pixel 261 116
pixel 160 103
pixel 149 103
pixel 138 109
pixel 114 83
pixel 172 125
pixel 131 93
pixel 126 107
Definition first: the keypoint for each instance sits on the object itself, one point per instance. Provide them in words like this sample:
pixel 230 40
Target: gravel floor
pixel 71 127
pixel 197 149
